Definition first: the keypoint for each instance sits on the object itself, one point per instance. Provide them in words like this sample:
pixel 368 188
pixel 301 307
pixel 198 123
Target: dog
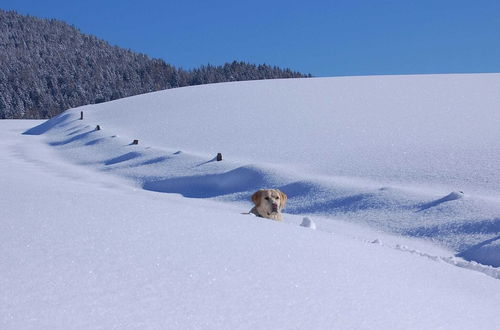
pixel 269 203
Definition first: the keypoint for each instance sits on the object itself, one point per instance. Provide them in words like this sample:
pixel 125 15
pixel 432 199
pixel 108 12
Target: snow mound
pixel 454 195
pixel 308 223
pixel 245 178
pixel 487 252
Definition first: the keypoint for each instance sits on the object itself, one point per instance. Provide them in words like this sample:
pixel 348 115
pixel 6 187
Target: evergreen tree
pixel 48 66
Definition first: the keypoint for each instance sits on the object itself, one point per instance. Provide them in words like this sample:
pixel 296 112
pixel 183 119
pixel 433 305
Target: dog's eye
pixel 267 198
pixel 277 198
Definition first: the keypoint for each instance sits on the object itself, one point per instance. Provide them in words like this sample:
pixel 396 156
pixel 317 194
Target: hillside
pixel 401 154
pixel 47 66
pixel 85 250
pixel 399 173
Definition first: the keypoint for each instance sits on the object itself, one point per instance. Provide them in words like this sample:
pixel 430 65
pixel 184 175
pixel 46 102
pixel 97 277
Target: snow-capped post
pixel 81 115
pixel 219 157
pixel 98 128
pixel 135 142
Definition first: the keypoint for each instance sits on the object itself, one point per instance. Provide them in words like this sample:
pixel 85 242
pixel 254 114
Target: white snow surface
pixel 398 174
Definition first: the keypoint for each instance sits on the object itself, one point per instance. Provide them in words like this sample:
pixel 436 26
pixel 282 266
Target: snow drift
pixel 392 219
pixel 412 155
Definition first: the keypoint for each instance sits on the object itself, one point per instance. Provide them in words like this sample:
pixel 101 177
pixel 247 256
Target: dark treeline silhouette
pixel 48 66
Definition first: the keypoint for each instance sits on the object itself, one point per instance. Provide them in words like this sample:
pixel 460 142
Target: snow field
pixel 402 154
pixel 83 249
pixel 397 175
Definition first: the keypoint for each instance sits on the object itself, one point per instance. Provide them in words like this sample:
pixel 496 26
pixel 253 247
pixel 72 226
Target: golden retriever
pixel 269 203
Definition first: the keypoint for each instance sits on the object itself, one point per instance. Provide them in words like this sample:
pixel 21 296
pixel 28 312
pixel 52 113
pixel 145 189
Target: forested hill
pixel 48 66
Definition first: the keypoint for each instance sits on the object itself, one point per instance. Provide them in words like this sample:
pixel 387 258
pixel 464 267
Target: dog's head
pixel 269 202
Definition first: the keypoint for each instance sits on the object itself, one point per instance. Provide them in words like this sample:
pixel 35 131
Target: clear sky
pixel 324 38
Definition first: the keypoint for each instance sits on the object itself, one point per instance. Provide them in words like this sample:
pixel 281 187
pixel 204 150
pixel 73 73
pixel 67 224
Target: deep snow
pixel 86 250
pixel 384 151
pixel 398 174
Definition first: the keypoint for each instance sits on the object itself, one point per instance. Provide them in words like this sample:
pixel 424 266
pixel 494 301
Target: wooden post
pixel 98 128
pixel 219 157
pixel 135 142
pixel 81 115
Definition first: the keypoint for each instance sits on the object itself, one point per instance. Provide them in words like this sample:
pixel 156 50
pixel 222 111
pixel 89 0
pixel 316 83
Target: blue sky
pixel 324 38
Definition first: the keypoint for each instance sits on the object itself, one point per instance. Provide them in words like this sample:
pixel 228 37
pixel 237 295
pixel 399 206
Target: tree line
pixel 48 66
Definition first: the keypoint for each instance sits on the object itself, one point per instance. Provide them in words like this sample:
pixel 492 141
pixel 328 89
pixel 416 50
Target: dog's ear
pixel 283 198
pixel 256 197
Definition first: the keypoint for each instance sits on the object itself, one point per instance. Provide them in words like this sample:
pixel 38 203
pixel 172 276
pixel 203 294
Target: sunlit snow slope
pixel 412 155
pixel 82 249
